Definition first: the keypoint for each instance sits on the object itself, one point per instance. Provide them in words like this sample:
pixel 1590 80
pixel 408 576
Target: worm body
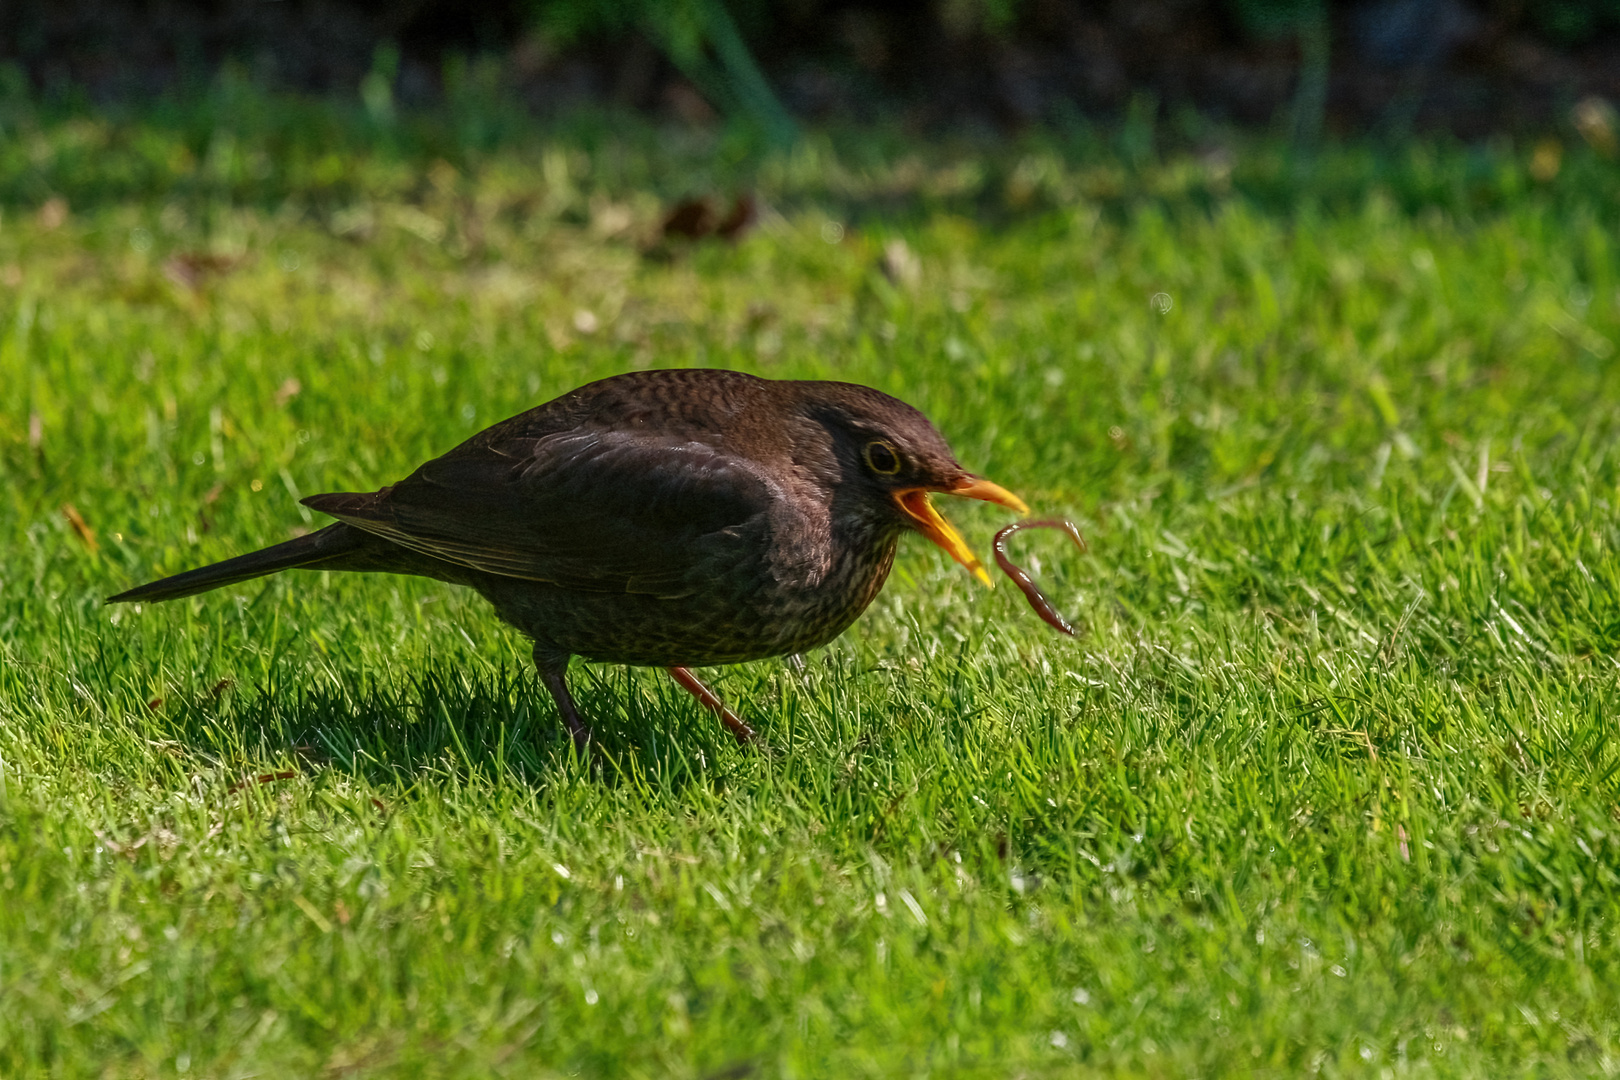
pixel 1020 577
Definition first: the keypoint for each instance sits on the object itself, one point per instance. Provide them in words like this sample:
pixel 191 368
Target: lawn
pixel 1328 785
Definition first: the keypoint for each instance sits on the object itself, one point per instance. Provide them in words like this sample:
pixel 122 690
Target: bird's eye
pixel 881 458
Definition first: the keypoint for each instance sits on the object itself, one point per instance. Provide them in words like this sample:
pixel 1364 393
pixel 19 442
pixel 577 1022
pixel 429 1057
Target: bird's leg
pixel 711 701
pixel 553 668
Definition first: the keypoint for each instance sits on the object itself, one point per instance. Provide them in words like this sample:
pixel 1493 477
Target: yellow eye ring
pixel 882 458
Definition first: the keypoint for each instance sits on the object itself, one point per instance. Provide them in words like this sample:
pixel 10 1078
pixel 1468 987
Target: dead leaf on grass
pixel 901 265
pixel 262 778
pixel 80 526
pixel 53 213
pixel 700 217
pixel 192 269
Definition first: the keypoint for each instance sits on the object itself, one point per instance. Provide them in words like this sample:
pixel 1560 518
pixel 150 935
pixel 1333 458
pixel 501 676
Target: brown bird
pixel 672 519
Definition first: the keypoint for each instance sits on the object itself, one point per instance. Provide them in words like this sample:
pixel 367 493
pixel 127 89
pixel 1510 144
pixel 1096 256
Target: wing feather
pixel 597 510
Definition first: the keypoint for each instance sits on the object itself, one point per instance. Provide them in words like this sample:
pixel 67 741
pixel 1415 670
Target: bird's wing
pixel 598 510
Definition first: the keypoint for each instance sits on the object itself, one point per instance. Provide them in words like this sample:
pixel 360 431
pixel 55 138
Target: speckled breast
pixel 733 618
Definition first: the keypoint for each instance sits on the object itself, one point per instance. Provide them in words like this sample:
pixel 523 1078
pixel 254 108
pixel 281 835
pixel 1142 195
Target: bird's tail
pixel 320 547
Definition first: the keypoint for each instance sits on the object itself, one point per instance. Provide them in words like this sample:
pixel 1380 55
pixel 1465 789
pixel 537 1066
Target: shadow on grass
pixel 447 720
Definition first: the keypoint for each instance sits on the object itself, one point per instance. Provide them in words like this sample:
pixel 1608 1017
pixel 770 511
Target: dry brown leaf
pixel 80 526
pixel 53 213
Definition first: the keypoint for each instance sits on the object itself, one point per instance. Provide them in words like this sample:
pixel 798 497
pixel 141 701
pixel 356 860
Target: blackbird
pixel 672 519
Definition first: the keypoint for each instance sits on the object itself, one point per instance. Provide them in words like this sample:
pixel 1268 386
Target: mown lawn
pixel 1330 785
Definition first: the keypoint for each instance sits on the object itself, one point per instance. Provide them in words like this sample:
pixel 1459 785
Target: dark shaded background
pixel 1469 68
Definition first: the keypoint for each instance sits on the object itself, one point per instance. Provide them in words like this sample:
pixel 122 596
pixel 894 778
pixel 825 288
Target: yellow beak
pixel 915 502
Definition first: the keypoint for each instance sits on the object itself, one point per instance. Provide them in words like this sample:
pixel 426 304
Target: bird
pixel 674 518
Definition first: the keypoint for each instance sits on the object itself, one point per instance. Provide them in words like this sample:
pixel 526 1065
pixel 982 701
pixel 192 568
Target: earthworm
pixel 1020 577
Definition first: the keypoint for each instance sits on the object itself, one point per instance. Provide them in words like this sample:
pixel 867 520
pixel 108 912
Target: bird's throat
pixel 933 525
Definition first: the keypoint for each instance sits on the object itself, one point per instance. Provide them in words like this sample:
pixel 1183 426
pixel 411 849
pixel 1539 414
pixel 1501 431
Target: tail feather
pixel 312 550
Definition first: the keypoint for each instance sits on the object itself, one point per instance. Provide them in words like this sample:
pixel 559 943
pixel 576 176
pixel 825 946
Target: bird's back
pixel 664 517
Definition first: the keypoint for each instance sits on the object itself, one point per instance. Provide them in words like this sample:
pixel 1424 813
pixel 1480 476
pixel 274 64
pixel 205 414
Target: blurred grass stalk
pixel 687 31
pixel 1308 21
pixel 699 37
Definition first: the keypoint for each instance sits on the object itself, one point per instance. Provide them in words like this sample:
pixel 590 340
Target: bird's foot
pixel 579 730
pixel 711 701
pixel 553 672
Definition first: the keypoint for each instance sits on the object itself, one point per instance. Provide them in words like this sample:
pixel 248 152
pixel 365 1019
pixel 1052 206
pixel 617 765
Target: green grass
pixel 1329 786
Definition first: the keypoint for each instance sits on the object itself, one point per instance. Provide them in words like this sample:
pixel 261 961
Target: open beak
pixel 914 501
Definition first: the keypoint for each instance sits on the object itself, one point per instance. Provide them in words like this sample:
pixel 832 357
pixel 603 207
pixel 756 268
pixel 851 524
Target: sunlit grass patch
pixel 1329 783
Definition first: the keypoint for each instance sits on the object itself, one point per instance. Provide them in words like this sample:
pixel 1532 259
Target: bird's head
pixel 893 459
